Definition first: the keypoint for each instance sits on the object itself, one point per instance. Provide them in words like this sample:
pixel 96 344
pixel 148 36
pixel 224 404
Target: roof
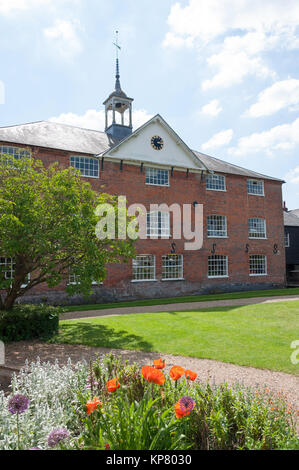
pixel 291 219
pixel 295 212
pixel 59 136
pixel 217 165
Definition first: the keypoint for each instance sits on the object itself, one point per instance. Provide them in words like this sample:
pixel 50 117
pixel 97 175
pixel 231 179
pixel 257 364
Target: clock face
pixel 157 142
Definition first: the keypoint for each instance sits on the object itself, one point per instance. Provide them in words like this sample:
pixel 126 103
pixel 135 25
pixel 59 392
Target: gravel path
pixel 175 307
pixel 215 371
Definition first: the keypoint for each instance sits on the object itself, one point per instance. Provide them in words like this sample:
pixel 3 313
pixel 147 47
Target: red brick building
pixel 243 227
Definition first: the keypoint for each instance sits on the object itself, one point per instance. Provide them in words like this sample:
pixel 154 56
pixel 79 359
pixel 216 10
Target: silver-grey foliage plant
pixel 52 391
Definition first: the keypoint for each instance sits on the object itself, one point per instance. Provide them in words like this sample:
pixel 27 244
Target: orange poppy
pixel 176 372
pixel 112 385
pixel 190 375
pixel 92 405
pixel 153 375
pixel 159 364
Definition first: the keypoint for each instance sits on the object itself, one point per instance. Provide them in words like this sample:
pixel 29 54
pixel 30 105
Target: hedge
pixel 27 322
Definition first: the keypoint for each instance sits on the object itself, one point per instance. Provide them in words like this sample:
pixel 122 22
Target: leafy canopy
pixel 47 227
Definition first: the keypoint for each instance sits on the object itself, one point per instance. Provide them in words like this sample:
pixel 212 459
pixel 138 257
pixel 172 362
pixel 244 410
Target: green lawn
pixel 193 298
pixel 254 335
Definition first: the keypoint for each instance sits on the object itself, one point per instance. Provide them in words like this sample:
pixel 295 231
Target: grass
pixel 254 335
pixel 193 298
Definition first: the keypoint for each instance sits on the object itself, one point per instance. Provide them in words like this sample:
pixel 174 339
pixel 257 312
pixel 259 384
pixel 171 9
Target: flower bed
pixel 111 405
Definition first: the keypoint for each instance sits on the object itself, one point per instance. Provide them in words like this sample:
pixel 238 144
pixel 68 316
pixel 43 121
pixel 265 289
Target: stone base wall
pixel 142 290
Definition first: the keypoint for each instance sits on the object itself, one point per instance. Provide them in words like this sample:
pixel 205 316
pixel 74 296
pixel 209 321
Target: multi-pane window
pixel 287 240
pixel 15 152
pixel 144 268
pixel 74 278
pixel 158 224
pixel 157 177
pixel 215 182
pixel 257 265
pixel 217 226
pixel 257 228
pixel 7 270
pixel 88 166
pixel 172 267
pixel 255 187
pixel 218 266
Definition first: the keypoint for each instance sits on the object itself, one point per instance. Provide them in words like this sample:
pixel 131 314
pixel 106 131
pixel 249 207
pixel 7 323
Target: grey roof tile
pixel 86 141
pixel 291 219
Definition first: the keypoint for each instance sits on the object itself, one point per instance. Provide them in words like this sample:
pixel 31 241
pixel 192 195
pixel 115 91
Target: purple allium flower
pixel 186 404
pixel 56 436
pixel 18 404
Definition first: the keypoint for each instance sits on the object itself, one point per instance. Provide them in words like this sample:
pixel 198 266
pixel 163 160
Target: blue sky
pixel 223 73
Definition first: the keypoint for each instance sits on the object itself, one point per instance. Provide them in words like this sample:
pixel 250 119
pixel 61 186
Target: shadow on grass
pixel 94 335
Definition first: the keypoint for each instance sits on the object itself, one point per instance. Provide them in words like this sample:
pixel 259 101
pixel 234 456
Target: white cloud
pixel 293 176
pixel 212 109
pixel 250 27
pixel 282 137
pixel 238 57
pixel 63 35
pixel 218 140
pixel 207 20
pixel 283 94
pixel 95 120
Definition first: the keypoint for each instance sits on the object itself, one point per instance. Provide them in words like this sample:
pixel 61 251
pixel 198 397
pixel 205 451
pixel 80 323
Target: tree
pixel 47 228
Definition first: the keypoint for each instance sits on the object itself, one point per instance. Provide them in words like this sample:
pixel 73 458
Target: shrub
pixel 27 322
pixel 52 391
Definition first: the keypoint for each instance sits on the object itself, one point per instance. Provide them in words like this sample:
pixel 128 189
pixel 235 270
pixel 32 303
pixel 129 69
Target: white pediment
pixel 174 154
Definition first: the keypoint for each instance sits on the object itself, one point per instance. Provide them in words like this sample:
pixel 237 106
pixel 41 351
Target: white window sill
pixel 162 185
pixel 255 275
pixel 218 277
pixel 253 194
pixel 258 238
pixel 217 236
pixel 144 280
pixel 222 190
pixel 174 279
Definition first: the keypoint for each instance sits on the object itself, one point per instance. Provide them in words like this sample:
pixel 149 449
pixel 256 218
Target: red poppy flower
pixel 159 364
pixel 190 375
pixel 176 372
pixel 153 375
pixel 112 385
pixel 92 405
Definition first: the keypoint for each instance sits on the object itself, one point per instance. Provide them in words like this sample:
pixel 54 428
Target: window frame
pixel 151 267
pixel 265 265
pixel 251 180
pixel 252 237
pixel 84 157
pixel 154 230
pixel 287 243
pixel 221 217
pixel 11 270
pixel 216 175
pixel 148 176
pixel 219 258
pixel 178 266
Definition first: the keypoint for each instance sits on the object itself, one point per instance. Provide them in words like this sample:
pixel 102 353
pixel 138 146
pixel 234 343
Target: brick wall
pixel 235 204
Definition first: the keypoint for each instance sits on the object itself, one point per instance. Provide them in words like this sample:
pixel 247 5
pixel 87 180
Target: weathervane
pixel 118 48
